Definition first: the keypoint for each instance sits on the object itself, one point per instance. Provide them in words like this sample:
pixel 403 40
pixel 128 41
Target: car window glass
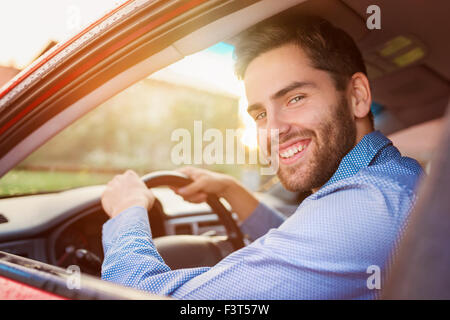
pixel 196 105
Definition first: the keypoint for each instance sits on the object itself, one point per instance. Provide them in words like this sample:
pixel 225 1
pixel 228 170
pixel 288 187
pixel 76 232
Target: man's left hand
pixel 125 191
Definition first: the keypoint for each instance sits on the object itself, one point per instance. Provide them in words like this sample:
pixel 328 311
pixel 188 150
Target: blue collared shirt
pixel 337 245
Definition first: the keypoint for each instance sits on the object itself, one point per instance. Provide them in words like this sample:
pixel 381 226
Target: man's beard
pixel 330 142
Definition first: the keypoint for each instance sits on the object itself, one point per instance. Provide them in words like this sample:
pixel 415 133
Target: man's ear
pixel 360 96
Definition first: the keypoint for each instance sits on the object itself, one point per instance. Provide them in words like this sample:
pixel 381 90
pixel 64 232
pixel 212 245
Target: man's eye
pixel 260 115
pixel 295 99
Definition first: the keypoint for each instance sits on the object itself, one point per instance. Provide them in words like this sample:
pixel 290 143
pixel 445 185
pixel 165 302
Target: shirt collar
pixel 360 156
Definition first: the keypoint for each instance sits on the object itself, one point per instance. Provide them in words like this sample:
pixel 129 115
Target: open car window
pixel 189 113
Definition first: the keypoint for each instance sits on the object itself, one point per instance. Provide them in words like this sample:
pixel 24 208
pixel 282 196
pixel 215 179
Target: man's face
pixel 315 124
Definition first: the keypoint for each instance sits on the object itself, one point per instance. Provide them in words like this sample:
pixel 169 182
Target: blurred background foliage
pixel 131 130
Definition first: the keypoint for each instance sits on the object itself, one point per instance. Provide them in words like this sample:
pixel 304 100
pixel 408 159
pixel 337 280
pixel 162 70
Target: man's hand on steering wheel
pixel 241 200
pixel 125 191
pixel 204 182
pixel 128 190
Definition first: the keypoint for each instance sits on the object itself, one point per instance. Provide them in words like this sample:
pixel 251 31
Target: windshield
pixel 175 117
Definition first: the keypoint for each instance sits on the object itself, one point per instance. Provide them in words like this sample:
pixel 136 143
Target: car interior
pixel 409 72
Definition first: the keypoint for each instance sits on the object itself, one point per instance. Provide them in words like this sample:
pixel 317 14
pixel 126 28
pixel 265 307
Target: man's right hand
pixel 241 200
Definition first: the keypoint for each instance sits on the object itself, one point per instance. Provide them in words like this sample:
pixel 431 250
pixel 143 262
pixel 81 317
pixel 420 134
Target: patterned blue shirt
pixel 332 247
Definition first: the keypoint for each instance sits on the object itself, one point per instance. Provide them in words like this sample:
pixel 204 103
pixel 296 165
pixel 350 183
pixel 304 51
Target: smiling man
pixel 306 79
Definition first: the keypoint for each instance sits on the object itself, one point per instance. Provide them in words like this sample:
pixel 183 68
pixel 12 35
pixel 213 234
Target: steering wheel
pixel 177 251
pixel 177 179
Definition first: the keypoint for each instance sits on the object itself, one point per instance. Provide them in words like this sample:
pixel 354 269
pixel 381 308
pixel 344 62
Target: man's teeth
pixel 291 151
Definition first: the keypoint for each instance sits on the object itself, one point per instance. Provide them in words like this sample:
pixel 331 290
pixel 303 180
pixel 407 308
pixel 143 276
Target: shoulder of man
pixel 386 188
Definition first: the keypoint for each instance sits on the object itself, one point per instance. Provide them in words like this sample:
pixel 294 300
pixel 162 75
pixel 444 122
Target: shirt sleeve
pixel 261 221
pixel 131 258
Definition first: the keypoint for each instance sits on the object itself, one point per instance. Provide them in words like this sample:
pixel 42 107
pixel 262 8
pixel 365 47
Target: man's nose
pixel 274 128
pixel 275 122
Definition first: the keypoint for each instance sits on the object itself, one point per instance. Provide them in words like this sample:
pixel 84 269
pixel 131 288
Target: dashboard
pixel 83 232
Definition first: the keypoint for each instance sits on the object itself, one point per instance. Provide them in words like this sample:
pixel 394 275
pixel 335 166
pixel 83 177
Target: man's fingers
pixel 192 188
pixel 125 190
pixel 130 172
pixel 182 169
pixel 151 198
pixel 175 189
pixel 185 170
pixel 192 172
pixel 104 202
pixel 197 198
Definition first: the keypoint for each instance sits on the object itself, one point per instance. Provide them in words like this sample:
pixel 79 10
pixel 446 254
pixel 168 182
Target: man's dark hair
pixel 329 48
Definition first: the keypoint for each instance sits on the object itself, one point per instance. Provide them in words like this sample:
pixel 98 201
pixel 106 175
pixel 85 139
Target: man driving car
pixel 306 79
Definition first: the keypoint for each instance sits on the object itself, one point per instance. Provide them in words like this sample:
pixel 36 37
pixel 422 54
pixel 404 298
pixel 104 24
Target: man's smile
pixel 292 151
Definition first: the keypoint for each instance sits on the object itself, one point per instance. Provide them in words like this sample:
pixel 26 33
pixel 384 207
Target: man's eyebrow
pixel 290 87
pixel 282 92
pixel 254 106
